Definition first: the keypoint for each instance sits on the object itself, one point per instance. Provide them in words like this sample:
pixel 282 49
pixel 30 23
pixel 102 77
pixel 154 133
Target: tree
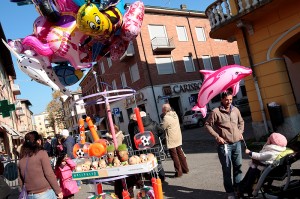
pixel 55 111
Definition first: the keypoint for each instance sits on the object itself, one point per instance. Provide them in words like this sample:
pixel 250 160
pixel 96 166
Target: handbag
pixel 23 194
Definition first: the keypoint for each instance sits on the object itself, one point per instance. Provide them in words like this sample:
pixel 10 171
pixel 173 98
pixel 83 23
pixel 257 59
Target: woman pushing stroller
pixel 275 145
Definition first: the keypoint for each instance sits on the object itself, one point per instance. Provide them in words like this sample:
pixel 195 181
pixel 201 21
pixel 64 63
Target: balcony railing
pixel 222 11
pixel 160 44
pixel 16 89
pixel 128 53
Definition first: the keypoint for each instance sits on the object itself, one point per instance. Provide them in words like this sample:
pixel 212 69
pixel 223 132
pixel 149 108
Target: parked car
pixel 243 106
pixel 193 118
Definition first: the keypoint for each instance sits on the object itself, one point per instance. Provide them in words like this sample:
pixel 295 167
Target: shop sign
pixel 130 100
pixel 182 88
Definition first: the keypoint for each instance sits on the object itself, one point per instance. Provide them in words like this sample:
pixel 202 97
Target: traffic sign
pixel 116 111
pixel 192 99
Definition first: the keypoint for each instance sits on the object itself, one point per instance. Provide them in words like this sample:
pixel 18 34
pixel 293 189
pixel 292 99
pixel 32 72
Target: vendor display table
pixel 116 171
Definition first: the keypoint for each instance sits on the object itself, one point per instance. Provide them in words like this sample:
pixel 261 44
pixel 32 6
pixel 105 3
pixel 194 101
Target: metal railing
pixel 222 11
pixel 162 42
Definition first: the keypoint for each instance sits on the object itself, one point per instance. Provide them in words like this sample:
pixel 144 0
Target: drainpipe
pixel 243 27
pixel 150 78
pixel 198 62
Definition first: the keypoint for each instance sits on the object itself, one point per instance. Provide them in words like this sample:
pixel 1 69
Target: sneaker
pixel 231 197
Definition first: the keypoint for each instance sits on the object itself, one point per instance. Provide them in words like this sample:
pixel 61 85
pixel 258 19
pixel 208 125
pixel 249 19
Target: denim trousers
pixel 232 161
pixel 49 194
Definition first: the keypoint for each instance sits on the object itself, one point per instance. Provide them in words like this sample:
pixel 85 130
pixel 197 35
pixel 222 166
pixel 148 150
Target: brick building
pixel 161 64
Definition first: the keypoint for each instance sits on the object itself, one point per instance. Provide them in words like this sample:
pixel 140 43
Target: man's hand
pixel 247 151
pixel 221 140
pixel 60 195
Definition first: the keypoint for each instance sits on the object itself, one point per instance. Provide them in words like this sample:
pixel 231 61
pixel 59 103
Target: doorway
pixel 175 104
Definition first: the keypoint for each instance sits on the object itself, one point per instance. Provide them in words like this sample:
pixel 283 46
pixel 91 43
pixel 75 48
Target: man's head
pixel 133 116
pixel 226 98
pixel 143 114
pixel 166 108
pixel 49 139
pixel 65 133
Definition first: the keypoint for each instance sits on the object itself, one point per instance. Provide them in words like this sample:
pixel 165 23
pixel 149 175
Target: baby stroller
pixel 280 180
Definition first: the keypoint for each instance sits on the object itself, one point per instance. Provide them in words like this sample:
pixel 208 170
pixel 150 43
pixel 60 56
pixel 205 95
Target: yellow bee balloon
pixel 95 23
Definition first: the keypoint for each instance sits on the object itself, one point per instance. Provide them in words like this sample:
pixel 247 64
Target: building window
pixel 237 59
pixel 165 65
pixel 189 64
pixel 157 31
pixel 200 34
pixel 123 80
pixel 134 73
pixel 181 32
pixel 223 60
pixel 114 85
pixel 109 62
pixel 102 68
pixel 207 62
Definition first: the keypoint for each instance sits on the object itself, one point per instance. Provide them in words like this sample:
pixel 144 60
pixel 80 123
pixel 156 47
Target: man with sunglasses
pixel 226 124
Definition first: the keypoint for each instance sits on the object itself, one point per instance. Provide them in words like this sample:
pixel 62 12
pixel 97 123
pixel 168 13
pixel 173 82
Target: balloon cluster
pixel 72 34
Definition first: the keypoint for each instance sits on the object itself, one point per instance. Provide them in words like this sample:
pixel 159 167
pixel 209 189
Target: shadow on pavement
pixel 174 191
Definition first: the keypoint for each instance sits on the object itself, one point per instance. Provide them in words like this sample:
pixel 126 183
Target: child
pixel 63 170
pixel 276 144
pixel 119 136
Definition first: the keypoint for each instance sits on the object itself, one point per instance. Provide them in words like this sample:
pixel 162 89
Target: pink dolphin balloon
pixel 219 81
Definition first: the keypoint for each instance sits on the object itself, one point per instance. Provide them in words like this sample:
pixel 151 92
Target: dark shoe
pixel 177 176
pixel 186 172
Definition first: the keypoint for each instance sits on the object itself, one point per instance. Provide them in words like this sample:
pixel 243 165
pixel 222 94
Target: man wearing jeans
pixel 226 124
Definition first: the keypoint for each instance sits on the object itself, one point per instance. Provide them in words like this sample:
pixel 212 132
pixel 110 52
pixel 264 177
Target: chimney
pixel 183 7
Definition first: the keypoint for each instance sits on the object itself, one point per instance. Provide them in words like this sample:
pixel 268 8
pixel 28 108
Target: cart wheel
pixel 200 123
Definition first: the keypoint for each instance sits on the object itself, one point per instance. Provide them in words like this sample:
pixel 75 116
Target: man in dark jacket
pixel 68 143
pixel 158 132
pixel 47 146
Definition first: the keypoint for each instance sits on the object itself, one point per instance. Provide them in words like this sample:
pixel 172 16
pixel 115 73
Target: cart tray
pixel 116 171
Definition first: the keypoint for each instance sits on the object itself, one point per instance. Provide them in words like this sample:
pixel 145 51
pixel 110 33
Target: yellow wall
pixel 272 76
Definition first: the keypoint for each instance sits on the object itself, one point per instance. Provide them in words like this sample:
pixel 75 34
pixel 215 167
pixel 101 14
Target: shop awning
pixel 11 131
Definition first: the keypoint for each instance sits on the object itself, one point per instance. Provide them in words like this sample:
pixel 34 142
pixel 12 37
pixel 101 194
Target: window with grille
pixel 200 34
pixel 207 62
pixel 123 80
pixel 189 64
pixel 237 59
pixel 134 73
pixel 164 65
pixel 181 32
pixel 223 60
pixel 102 68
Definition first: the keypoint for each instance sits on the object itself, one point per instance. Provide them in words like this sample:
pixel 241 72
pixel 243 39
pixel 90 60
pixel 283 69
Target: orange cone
pixel 155 188
pixel 159 189
pixel 125 194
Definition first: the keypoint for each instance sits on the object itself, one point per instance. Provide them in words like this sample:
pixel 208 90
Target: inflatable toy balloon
pixel 219 81
pixel 103 4
pixel 67 75
pixel 62 40
pixel 67 6
pixel 132 21
pixel 48 9
pixel 118 48
pixel 99 24
pixel 38 68
pixel 105 195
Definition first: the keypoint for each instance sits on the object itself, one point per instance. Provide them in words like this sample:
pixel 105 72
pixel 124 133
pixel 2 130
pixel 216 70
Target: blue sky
pixel 17 22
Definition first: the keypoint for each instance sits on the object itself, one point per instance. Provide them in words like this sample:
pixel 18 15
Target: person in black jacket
pixel 158 132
